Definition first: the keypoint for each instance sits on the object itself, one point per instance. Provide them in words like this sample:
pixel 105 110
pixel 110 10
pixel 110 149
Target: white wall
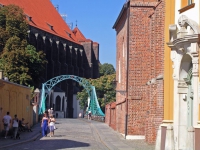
pixel 76 107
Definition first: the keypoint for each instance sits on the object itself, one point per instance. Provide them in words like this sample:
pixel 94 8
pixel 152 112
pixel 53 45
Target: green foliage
pixel 20 61
pixel 104 89
pixel 106 69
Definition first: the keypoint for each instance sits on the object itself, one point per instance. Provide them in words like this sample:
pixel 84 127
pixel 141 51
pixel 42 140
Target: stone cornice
pixel 175 44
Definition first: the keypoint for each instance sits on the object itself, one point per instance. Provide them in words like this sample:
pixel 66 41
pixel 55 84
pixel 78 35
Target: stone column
pixel 165 136
pixel 169 142
pixel 190 138
pixel 195 75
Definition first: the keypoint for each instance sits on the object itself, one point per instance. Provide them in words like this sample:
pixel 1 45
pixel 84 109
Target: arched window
pixel 58 102
pixel 51 101
pixel 63 103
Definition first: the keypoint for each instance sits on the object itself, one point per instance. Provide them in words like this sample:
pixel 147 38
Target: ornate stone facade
pixel 184 44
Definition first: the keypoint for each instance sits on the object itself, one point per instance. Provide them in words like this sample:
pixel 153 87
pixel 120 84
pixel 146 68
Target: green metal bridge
pixel 93 101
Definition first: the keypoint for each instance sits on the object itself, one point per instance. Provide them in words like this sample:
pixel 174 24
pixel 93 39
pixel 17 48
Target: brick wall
pixel 143 37
pixel 107 114
pixel 154 113
pixel 110 115
pixel 121 70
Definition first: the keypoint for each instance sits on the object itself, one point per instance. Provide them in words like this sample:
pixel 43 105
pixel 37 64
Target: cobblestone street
pixel 82 134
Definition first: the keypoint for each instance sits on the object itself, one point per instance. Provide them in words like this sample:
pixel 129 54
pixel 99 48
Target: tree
pixel 106 69
pixel 20 61
pixel 104 89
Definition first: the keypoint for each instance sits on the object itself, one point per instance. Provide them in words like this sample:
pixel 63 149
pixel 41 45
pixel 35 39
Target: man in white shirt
pixel 7 121
pixel 51 111
pixel 89 115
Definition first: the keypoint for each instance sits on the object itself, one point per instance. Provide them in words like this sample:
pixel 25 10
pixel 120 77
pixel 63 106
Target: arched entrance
pixel 93 101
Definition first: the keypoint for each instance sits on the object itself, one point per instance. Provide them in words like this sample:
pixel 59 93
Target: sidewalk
pixel 24 137
pixel 115 141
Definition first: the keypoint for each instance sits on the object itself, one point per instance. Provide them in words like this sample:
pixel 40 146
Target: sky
pixel 95 19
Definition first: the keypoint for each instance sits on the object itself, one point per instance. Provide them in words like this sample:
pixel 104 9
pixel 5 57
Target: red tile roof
pixel 44 16
pixel 79 35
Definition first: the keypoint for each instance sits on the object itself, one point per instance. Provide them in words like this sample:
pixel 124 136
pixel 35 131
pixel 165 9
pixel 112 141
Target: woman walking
pixel 44 125
pixel 51 125
pixel 15 122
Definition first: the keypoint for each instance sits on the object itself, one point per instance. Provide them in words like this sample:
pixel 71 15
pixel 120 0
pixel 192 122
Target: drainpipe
pixel 110 115
pixel 127 68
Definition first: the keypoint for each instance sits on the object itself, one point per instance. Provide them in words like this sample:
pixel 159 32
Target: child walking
pixel 51 125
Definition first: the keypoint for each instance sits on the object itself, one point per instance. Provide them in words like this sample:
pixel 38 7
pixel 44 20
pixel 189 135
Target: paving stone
pixel 79 134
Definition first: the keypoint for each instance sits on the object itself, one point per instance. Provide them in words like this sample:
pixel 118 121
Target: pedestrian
pixel 15 123
pixel 26 125
pixel 51 125
pixel 51 111
pixel 44 124
pixel 89 115
pixel 6 122
pixel 80 115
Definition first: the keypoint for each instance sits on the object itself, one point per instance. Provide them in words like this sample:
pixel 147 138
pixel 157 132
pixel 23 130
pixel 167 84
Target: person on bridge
pixel 51 111
pixel 44 124
pixel 89 115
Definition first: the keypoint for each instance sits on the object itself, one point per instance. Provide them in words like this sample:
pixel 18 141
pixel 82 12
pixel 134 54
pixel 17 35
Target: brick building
pixel 140 68
pixel 67 51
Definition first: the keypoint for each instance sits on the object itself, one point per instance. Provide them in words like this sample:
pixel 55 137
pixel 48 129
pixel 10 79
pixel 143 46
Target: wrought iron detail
pixel 93 101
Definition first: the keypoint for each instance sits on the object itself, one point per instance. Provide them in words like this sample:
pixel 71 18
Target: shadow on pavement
pixel 49 144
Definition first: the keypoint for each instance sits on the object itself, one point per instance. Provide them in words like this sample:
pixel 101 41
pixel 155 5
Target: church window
pixel 58 103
